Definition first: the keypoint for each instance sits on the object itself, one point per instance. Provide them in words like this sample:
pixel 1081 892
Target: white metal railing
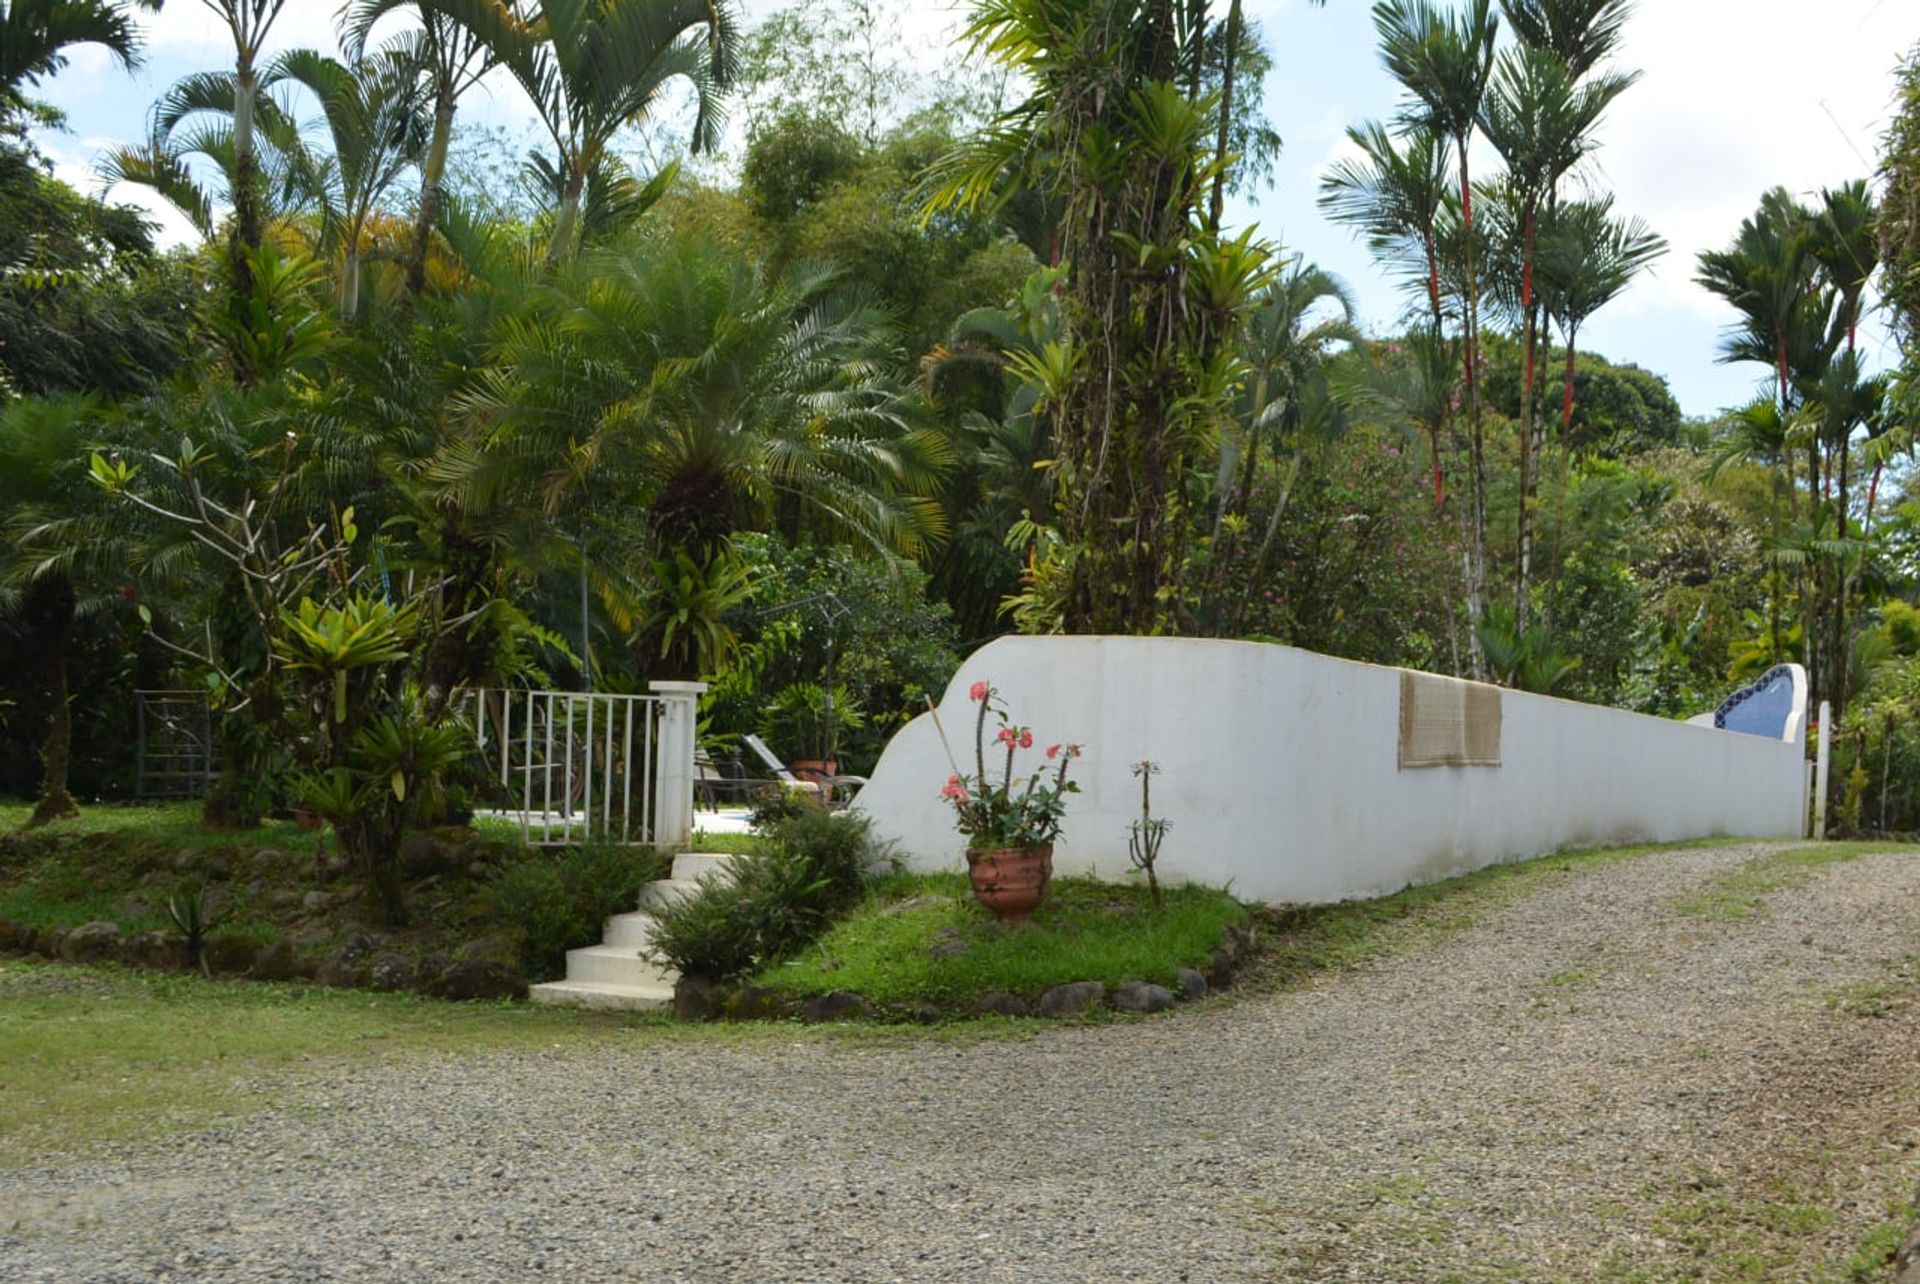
pixel 592 766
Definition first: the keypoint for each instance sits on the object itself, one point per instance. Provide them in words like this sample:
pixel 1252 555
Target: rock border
pixel 700 999
pixel 482 970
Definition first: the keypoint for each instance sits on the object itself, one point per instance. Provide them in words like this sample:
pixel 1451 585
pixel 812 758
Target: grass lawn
pixel 921 938
pixel 176 825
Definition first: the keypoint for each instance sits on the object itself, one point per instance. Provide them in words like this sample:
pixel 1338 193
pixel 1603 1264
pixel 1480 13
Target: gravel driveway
pixel 1584 1085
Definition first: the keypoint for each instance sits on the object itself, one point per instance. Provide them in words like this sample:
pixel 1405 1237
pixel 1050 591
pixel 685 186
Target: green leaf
pixel 399 782
pixel 146 616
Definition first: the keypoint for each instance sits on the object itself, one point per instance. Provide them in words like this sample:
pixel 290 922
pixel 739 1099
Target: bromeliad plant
pixel 1015 811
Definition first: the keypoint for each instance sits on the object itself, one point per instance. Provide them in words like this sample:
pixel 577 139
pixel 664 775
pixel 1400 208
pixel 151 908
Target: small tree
pixel 1147 833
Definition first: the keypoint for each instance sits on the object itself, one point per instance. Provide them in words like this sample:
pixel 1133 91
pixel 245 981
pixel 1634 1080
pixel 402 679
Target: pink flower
pixel 1053 751
pixel 954 790
pixel 1007 735
pixel 1026 739
pixel 978 692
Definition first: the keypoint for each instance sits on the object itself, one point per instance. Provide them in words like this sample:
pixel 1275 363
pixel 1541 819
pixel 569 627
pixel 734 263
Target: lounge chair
pixel 833 784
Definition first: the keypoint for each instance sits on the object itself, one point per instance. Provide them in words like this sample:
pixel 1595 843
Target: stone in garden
pixel 217 869
pixel 915 1013
pixel 695 998
pixel 158 950
pixel 1142 996
pixel 1192 984
pixel 428 971
pixel 11 934
pixel 278 962
pixel 947 944
pixel 760 1003
pixel 91 942
pixel 342 969
pixel 1219 968
pixel 390 972
pixel 315 902
pixel 468 979
pixel 492 949
pixel 232 953
pixel 1071 999
pixel 1000 1003
pixel 216 903
pixel 840 1005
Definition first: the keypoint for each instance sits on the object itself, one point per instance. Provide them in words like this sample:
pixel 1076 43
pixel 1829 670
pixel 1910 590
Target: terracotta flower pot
pixel 1011 881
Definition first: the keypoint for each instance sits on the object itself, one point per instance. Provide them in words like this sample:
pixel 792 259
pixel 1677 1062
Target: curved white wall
pixel 1280 770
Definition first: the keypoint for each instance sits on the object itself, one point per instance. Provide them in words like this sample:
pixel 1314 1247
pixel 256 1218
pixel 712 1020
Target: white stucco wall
pixel 1280 770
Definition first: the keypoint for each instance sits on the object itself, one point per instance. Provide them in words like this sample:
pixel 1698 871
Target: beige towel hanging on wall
pixel 1445 722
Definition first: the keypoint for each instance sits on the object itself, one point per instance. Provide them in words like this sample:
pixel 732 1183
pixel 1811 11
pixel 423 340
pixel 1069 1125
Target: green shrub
pixel 838 845
pixel 557 901
pixel 764 909
pixel 772 904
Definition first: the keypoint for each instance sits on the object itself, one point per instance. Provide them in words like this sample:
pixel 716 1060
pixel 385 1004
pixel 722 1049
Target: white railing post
pixel 673 762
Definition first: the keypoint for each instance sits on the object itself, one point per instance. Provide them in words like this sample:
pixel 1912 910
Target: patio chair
pixel 827 788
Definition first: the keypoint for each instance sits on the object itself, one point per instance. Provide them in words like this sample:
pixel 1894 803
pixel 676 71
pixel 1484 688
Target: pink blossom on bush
pixel 1026 739
pixel 1053 751
pixel 978 692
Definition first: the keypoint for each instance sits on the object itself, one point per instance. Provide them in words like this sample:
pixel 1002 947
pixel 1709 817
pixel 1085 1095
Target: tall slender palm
pixel 36 34
pixel 1444 59
pixel 454 55
pixel 1587 259
pixel 192 127
pixel 1583 33
pixel 375 120
pixel 248 22
pixel 1541 121
pixel 1392 193
pixel 593 67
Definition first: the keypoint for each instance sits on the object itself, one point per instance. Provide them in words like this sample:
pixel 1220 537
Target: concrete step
pixel 691 865
pixel 616 965
pixel 635 930
pixel 622 998
pixel 668 891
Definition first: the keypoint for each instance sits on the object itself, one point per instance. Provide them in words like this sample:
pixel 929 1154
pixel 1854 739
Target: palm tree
pixel 52 550
pixel 375 120
pixel 1582 33
pixel 454 55
pixel 1444 60
pixel 685 380
pixel 35 35
pixel 1541 121
pixel 593 67
pixel 1768 275
pixel 1587 258
pixel 1393 194
pixel 248 22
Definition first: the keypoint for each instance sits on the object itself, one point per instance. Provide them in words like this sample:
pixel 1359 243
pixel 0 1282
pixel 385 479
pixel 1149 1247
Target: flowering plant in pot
pixel 1010 820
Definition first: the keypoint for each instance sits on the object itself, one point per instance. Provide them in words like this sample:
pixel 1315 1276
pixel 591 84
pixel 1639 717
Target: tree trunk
pixel 432 174
pixel 50 608
pixel 567 218
pixel 1218 201
pixel 1523 518
pixel 1477 549
pixel 249 221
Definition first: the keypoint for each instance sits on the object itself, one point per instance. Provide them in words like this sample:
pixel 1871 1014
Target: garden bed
pixel 486 916
pixel 918 948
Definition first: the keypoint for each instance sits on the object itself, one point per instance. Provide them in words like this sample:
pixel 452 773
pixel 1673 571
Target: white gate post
pixel 673 762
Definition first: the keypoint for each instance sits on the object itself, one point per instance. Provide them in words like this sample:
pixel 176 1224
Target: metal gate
pixel 572 766
pixel 173 753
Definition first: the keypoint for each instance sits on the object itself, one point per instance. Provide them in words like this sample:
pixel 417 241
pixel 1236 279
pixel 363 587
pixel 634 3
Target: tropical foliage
pixel 788 362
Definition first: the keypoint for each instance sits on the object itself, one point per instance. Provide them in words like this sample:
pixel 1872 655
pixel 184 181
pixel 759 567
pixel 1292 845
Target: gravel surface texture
pixel 1550 1094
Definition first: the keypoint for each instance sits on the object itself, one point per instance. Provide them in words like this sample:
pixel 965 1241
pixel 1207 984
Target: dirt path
pixel 1701 1064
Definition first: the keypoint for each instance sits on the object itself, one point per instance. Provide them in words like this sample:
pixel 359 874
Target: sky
pixel 1736 96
